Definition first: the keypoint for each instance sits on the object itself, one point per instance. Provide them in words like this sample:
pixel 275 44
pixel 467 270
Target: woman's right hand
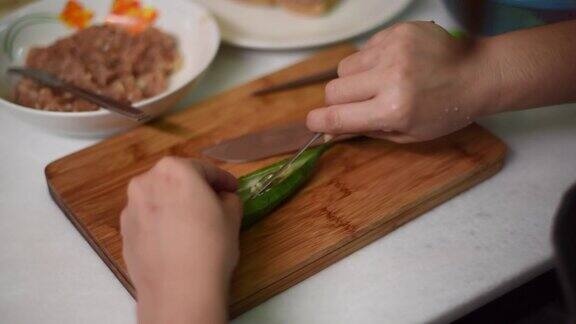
pixel 180 241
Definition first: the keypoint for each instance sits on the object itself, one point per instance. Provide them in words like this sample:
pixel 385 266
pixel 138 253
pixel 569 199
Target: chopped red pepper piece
pixel 132 15
pixel 75 15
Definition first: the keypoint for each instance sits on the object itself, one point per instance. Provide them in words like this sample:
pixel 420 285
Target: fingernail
pixel 313 120
pixel 327 138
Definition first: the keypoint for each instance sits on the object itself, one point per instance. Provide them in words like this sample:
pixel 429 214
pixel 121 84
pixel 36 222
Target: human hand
pixel 180 240
pixel 410 82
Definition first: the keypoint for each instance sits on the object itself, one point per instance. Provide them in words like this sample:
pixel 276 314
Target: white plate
pixel 274 28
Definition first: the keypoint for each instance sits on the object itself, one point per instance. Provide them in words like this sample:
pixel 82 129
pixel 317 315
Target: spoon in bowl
pixel 122 108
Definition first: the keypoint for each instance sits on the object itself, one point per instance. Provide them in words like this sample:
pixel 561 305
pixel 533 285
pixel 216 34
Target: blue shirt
pixel 507 15
pixel 540 4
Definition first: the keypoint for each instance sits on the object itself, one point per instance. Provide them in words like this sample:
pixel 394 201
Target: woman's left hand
pixel 411 82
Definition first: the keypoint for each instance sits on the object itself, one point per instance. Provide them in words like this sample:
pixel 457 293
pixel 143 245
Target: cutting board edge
pixel 86 234
pixel 367 238
pixel 320 263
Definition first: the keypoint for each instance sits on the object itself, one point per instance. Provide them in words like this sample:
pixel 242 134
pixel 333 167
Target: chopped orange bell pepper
pixel 123 7
pixel 132 15
pixel 75 15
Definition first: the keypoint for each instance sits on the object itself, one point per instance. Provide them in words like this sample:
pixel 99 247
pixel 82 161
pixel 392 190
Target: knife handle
pixel 304 81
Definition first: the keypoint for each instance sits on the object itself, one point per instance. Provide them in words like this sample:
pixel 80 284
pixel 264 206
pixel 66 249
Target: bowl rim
pixel 215 34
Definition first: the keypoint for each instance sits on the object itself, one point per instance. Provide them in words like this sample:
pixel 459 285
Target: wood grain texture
pixel 361 190
pixel 7 6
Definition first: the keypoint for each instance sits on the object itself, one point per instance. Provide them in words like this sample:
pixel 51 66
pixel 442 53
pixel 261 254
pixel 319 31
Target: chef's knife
pixel 259 145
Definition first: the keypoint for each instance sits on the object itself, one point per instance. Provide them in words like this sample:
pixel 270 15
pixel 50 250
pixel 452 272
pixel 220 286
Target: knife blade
pixel 266 182
pixel 263 144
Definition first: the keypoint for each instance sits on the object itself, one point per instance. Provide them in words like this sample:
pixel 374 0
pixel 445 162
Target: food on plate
pixel 292 179
pixel 132 14
pixel 307 7
pixel 106 59
pixel 259 2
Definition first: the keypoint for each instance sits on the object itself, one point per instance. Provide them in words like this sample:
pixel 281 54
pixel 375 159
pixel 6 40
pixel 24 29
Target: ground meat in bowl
pixel 105 59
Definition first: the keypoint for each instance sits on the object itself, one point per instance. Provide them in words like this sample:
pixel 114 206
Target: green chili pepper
pixel 255 208
pixel 458 34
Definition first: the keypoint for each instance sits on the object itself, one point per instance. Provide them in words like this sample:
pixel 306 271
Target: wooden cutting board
pixel 361 190
pixel 7 6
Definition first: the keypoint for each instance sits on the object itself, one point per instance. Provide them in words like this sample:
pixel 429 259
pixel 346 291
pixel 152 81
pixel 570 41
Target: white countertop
pixel 434 269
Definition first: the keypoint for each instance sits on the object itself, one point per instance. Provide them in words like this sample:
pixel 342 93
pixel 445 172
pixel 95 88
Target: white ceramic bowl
pixel 198 38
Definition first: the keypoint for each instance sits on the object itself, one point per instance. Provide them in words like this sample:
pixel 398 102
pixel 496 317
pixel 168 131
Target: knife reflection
pixel 270 142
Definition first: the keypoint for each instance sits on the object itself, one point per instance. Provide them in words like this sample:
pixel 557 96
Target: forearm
pixel 535 67
pixel 206 302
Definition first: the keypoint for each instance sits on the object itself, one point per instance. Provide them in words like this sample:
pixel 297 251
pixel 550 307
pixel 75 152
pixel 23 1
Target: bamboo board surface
pixel 361 190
